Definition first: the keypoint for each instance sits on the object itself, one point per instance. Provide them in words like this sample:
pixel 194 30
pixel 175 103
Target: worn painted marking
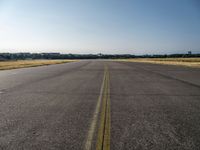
pixel 103 141
pixel 103 111
pixel 93 125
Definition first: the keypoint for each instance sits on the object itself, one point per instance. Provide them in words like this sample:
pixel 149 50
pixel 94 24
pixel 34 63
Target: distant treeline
pixel 22 56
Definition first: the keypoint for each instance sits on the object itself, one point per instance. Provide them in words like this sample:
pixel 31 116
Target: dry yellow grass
pixel 4 65
pixel 190 62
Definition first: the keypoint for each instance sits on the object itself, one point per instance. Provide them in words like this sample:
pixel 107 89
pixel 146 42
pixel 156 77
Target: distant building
pixel 190 52
pixel 99 54
pixel 51 53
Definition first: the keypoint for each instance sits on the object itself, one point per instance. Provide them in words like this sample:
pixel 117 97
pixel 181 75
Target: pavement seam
pixel 166 76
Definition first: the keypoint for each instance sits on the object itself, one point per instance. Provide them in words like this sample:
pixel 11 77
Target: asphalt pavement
pixel 79 105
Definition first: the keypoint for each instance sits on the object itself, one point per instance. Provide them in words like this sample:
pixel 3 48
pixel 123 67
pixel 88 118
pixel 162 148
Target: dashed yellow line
pixel 103 107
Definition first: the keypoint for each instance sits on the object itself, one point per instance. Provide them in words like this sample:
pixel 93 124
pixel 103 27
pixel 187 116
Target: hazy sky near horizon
pixel 94 26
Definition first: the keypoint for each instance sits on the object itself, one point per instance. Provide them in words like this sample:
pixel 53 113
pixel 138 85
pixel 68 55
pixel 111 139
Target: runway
pixel 100 104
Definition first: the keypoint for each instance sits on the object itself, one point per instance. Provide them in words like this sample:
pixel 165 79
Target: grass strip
pixel 6 65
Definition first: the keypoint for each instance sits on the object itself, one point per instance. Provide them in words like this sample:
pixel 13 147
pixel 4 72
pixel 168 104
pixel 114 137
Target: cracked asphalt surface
pixel 50 107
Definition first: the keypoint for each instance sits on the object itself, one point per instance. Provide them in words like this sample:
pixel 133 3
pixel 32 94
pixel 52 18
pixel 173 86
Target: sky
pixel 100 26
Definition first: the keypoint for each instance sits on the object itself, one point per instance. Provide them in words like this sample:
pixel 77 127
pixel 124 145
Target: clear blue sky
pixel 106 26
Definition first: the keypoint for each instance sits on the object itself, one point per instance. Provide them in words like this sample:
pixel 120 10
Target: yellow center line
pixel 92 128
pixel 106 143
pixel 103 141
pixel 103 107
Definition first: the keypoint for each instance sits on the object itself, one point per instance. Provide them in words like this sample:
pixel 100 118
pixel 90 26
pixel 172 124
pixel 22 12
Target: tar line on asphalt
pixel 102 112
